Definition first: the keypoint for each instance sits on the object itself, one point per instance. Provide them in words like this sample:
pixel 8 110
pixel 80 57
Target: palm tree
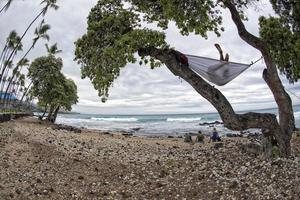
pixel 40 33
pixel 52 50
pixel 5 75
pixel 11 44
pixel 13 79
pixel 11 37
pixel 48 4
pixel 6 6
pixel 21 83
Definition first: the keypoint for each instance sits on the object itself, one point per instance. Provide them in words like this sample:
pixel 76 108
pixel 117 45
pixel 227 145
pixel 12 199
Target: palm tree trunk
pixel 13 76
pixel 3 61
pixel 4 50
pixel 27 29
pixel 25 92
pixel 6 63
pixel 3 8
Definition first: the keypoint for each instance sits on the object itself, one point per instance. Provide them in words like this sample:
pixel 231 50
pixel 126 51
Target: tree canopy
pixel 50 86
pixel 115 33
pixel 282 34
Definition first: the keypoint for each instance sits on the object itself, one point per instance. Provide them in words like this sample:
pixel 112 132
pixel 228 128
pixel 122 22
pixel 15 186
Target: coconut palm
pixel 6 6
pixel 21 83
pixel 40 33
pixel 5 75
pixel 11 43
pixel 48 4
pixel 11 37
pixel 13 79
pixel 52 50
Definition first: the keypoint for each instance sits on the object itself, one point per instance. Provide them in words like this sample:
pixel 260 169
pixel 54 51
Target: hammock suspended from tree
pixel 215 71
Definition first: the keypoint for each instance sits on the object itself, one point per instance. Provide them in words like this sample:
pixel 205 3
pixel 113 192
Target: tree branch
pixel 270 75
pixel 231 120
pixel 243 33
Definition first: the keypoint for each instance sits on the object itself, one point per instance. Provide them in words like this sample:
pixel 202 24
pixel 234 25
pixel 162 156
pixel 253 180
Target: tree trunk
pixel 55 114
pixel 50 113
pixel 270 75
pixel 11 56
pixel 4 7
pixel 25 92
pixel 14 74
pixel 231 120
pixel 41 117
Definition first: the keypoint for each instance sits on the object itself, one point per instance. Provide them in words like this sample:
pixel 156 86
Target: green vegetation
pixel 12 79
pixel 115 34
pixel 53 90
pixel 282 34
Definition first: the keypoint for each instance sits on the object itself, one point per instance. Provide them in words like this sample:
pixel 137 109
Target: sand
pixel 37 162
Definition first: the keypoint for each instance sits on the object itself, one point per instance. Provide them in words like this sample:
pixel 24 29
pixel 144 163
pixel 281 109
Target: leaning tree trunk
pixel 231 120
pixel 43 115
pixel 270 75
pixel 55 114
pixel 50 113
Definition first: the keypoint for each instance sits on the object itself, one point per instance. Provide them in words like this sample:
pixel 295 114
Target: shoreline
pixel 37 161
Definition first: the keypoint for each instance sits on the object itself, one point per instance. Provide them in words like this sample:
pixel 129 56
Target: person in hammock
pixel 183 60
pixel 221 53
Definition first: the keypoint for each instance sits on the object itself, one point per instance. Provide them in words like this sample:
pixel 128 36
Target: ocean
pixel 155 125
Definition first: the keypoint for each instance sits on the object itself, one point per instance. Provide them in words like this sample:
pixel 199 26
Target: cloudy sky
pixel 139 89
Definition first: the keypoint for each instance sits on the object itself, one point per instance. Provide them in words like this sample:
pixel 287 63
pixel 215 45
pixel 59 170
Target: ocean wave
pixel 183 119
pixel 114 119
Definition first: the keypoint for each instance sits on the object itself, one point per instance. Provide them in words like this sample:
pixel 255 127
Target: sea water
pixel 155 125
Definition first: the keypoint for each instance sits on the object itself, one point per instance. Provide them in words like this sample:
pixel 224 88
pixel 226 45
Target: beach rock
pixel 66 127
pixel 251 147
pixel 136 129
pixel 127 134
pixel 211 123
pixel 233 135
pixel 218 145
pixel 104 167
pixel 188 138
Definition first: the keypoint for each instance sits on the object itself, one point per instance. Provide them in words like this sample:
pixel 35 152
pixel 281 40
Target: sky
pixel 138 89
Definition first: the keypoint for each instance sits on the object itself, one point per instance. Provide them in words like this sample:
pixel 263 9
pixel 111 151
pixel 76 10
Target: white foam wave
pixel 114 119
pixel 183 119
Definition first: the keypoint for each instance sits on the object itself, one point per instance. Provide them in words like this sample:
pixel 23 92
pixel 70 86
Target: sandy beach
pixel 38 162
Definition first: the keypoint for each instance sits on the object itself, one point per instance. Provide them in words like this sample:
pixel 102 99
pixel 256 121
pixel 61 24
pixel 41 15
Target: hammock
pixel 215 71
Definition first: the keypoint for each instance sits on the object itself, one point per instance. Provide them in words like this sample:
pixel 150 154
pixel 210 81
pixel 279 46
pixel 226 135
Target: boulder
pixel 218 145
pixel 66 127
pixel 251 147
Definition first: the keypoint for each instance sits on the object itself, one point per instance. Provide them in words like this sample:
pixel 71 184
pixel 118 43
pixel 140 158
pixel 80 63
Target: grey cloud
pixel 139 89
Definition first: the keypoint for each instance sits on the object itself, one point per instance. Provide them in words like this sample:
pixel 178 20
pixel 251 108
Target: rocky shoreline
pixel 42 162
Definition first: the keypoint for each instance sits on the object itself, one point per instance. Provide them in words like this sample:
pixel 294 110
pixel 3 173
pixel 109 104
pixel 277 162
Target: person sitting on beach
pixel 215 136
pixel 188 138
pixel 200 137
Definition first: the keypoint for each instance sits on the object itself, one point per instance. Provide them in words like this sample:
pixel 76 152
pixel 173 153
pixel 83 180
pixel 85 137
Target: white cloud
pixel 140 89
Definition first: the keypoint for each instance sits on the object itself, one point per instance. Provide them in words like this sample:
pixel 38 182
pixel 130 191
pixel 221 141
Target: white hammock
pixel 215 71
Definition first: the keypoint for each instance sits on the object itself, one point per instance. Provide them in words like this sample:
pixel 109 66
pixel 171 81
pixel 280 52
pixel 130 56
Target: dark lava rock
pixel 66 127
pixel 210 123
pixel 218 145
